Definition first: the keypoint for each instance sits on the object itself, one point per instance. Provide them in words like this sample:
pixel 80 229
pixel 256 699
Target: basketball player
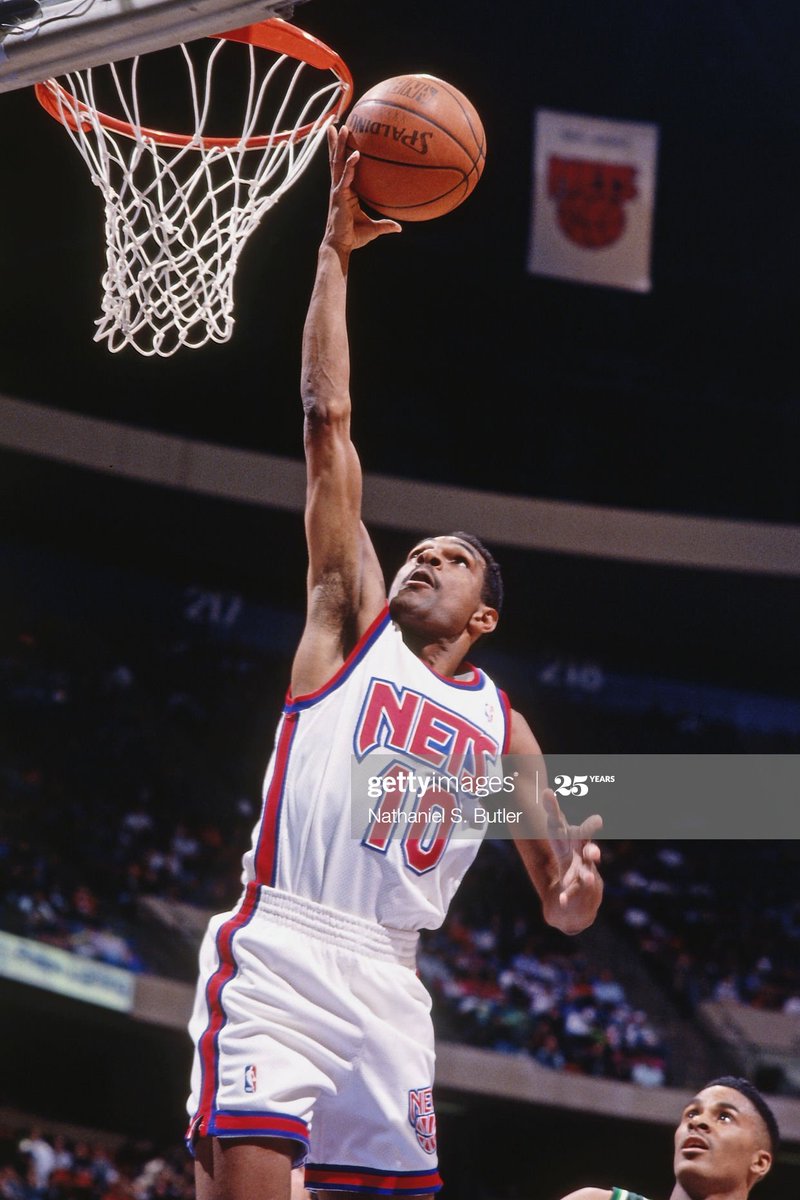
pixel 724 1145
pixel 312 1029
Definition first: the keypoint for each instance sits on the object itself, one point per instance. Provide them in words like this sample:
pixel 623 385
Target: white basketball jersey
pixel 388 708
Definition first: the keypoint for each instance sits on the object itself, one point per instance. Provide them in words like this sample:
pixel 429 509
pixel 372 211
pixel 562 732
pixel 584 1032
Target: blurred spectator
pixel 41 1159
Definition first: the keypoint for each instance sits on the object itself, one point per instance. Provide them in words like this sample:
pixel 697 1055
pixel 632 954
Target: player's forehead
pixel 446 541
pixel 719 1097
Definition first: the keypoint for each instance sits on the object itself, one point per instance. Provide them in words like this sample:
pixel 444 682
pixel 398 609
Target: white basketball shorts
pixel 312 1025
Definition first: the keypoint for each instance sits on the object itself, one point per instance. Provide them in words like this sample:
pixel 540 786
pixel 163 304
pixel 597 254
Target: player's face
pixel 720 1144
pixel 438 588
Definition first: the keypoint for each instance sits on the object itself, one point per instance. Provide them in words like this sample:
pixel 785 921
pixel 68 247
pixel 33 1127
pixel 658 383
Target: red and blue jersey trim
pixel 249 1124
pixel 336 1178
pixel 266 855
pixel 507 714
pixel 233 1123
pixel 371 634
pixel 210 1121
pixel 473 683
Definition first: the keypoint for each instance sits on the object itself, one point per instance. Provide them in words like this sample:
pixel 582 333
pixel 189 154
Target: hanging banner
pixel 594 193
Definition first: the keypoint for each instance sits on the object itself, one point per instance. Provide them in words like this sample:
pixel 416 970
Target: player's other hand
pixel 573 906
pixel 349 227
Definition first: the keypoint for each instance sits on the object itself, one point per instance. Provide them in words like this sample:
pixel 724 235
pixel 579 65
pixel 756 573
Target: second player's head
pixel 726 1140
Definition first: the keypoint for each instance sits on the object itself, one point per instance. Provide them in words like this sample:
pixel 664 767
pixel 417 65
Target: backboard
pixel 43 38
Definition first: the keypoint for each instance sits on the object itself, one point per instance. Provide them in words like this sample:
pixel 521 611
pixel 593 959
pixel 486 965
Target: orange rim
pixel 275 34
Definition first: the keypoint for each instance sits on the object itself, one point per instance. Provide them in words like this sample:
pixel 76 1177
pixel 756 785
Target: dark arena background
pixel 631 455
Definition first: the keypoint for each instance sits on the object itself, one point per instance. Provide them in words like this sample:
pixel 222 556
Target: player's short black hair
pixel 751 1092
pixel 492 593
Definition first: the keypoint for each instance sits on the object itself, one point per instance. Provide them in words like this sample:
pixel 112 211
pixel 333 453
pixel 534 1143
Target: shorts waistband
pixel 341 928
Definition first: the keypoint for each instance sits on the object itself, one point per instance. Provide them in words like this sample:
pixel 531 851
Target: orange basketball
pixel 422 147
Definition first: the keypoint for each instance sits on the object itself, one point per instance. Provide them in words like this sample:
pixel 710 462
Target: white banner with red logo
pixel 594 195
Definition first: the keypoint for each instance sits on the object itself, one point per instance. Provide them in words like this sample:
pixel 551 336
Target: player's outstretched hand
pixel 575 905
pixel 349 227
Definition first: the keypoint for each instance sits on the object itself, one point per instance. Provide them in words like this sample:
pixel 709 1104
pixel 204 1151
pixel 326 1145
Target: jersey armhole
pixel 295 703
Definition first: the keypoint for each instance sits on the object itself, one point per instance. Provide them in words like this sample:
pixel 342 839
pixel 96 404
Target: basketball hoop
pixel 180 206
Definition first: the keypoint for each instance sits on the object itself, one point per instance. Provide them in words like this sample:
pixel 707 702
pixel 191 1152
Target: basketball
pixel 422 147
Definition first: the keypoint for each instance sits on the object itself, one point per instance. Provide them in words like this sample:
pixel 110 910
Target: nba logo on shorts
pixel 250 1078
pixel 423 1118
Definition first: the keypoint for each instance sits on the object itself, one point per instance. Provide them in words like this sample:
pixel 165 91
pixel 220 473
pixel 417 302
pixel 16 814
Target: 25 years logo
pixel 578 785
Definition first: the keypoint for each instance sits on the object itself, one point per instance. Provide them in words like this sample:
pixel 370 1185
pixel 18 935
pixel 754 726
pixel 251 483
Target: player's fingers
pixel 591 826
pixel 555 816
pixel 588 874
pixel 568 892
pixel 550 800
pixel 336 139
pixel 570 876
pixel 576 880
pixel 348 167
pixel 341 154
pixel 583 868
pixel 591 853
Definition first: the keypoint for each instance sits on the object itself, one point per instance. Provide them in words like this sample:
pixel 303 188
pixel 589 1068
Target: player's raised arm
pixel 561 859
pixel 345 585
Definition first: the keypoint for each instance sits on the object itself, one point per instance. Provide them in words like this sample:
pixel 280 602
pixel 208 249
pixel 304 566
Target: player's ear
pixel 762 1161
pixel 483 620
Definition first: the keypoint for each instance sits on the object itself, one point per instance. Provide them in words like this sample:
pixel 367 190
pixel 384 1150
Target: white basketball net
pixel 178 217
